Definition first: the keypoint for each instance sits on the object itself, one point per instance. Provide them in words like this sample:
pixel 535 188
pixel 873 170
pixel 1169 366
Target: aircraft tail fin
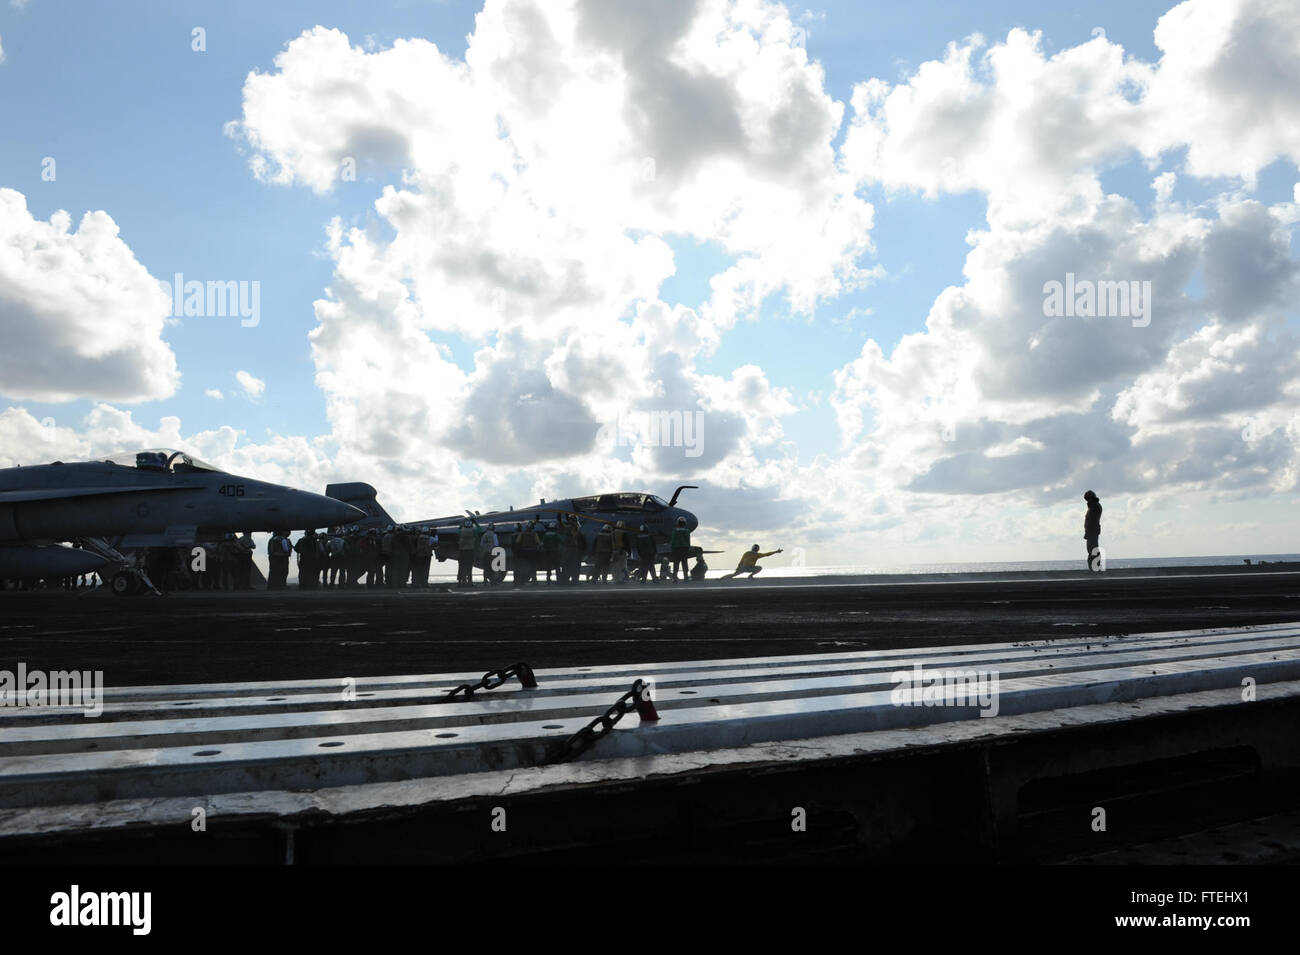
pixel 363 496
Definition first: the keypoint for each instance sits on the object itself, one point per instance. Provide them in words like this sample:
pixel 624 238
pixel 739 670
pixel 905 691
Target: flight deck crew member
pixel 535 529
pixel 487 545
pixel 749 563
pixel 181 568
pixel 681 548
pixel 518 562
pixel 569 558
pixel 645 552
pixel 406 546
pixel 246 548
pixel 386 544
pixel 1092 530
pixel 622 547
pixel 466 547
pixel 552 560
pixel 324 549
pixel 423 555
pixel 322 559
pixel 571 541
pixel 308 570
pixel 355 560
pixel 157 565
pixel 228 563
pixel 527 548
pixel 400 568
pixel 336 548
pixel 604 548
pixel 278 550
pixel 374 560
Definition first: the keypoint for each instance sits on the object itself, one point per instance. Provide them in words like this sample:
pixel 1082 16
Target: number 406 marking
pixel 231 490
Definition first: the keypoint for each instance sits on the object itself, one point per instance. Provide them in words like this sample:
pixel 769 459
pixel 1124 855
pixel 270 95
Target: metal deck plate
pixel 200 740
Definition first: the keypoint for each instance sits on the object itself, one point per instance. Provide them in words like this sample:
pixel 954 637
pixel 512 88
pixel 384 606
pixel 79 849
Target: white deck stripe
pixel 190 690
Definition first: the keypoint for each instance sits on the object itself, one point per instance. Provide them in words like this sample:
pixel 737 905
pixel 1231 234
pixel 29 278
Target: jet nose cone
pixel 344 513
pixel 317 510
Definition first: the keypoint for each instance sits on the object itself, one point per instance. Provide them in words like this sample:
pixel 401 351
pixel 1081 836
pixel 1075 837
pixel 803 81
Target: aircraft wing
pixel 176 535
pixel 55 493
pixel 443 523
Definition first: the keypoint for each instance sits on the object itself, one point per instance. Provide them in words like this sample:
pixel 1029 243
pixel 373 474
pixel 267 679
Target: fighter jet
pixel 633 508
pixel 158 497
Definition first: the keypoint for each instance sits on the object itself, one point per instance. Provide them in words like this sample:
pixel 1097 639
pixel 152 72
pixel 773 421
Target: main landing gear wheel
pixel 126 583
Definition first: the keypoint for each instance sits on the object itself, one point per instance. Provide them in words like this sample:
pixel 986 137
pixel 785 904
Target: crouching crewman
pixel 749 563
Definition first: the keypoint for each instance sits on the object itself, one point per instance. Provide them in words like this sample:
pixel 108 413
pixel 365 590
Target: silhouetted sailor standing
pixel 1092 529
pixel 466 549
pixel 423 556
pixel 278 550
pixel 308 569
pixel 246 548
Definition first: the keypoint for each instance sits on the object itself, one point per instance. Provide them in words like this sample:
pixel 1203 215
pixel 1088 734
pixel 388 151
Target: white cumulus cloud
pixel 253 387
pixel 79 316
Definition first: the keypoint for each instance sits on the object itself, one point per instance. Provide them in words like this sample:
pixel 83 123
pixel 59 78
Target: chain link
pixel 491 680
pixel 597 729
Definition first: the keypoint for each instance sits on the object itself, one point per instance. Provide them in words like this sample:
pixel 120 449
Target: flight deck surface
pixel 292 635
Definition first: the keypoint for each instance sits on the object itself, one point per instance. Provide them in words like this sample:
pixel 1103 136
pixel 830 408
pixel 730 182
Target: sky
pixel 482 254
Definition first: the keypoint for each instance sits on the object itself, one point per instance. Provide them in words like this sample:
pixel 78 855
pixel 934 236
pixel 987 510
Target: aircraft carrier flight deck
pixel 259 635
pixel 1121 688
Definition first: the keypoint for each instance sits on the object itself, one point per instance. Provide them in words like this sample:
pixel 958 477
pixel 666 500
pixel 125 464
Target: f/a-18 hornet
pixel 156 498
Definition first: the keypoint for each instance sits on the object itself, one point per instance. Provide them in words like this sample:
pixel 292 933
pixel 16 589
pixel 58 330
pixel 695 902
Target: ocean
pixel 778 566
pixel 984 567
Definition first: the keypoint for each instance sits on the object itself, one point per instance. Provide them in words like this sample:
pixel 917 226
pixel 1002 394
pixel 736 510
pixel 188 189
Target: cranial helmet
pixel 754 548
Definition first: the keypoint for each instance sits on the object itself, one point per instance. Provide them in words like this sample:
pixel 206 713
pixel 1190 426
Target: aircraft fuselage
pixel 103 499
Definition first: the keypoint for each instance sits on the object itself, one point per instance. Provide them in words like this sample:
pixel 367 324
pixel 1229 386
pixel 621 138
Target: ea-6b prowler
pixel 631 508
pixel 156 498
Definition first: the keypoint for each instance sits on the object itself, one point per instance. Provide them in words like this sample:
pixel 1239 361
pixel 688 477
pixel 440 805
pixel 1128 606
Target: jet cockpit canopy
pixel 160 459
pixel 622 501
